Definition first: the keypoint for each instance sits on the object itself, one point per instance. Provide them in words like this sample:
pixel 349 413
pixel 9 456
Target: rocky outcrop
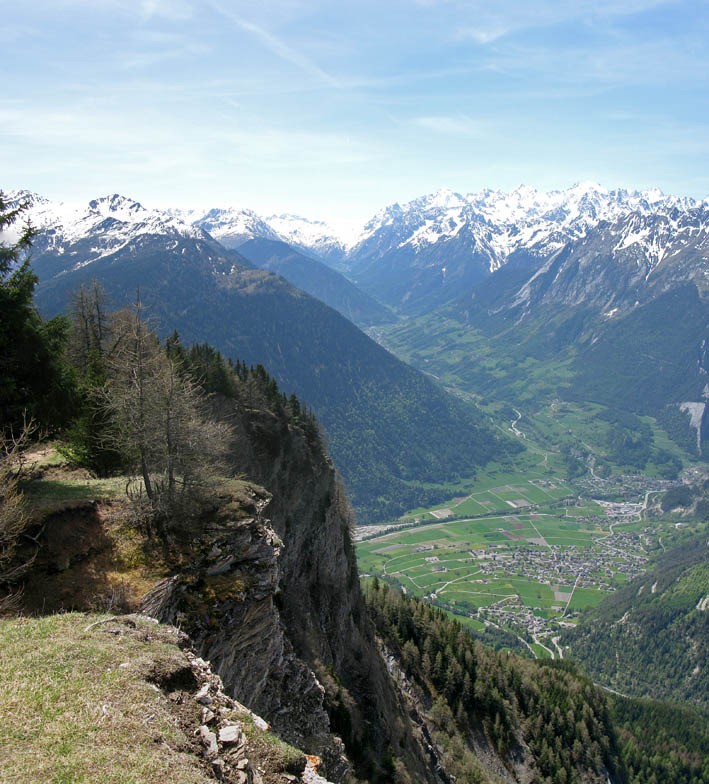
pixel 271 597
pixel 225 599
pixel 320 602
pixel 265 584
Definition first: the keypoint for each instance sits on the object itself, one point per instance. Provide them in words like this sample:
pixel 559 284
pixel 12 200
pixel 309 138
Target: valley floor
pixel 524 553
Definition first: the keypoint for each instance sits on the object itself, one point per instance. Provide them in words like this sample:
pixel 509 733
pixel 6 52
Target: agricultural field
pixel 523 572
pixel 536 480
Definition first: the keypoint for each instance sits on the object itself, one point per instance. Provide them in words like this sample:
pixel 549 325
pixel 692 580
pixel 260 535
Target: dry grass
pixel 72 713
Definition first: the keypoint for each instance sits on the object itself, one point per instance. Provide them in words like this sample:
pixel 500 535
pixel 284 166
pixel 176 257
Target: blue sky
pixel 334 109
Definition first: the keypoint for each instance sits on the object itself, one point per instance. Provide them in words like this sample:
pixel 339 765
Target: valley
pixel 354 393
pixel 524 552
pixel 534 541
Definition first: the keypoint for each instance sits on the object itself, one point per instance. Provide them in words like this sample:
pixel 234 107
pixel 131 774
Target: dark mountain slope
pixel 416 280
pixel 653 357
pixel 390 428
pixel 317 279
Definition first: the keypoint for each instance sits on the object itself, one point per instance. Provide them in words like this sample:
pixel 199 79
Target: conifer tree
pixel 33 379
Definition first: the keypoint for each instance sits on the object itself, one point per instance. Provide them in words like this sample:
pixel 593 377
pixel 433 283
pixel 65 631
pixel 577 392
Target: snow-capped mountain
pixel 428 251
pixel 103 227
pixel 587 241
pixel 502 223
pixel 311 236
pixel 98 239
pixel 618 265
pixel 233 226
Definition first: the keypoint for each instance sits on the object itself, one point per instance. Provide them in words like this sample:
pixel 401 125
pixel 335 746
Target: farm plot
pixel 519 571
pixel 517 493
pixel 462 558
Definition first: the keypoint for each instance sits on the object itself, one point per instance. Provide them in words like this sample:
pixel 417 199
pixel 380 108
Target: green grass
pixel 586 597
pixel 41 490
pixel 72 714
pixel 540 651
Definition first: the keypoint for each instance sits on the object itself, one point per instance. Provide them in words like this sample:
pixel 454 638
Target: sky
pixel 333 109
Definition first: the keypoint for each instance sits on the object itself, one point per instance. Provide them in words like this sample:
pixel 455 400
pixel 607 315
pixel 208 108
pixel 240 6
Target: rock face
pixel 225 600
pixel 321 605
pixel 271 597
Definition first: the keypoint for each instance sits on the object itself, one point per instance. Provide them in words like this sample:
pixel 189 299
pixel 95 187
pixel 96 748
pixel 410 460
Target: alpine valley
pixel 514 388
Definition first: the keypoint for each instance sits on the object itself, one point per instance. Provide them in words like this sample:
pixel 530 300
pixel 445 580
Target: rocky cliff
pixel 324 673
pixel 265 584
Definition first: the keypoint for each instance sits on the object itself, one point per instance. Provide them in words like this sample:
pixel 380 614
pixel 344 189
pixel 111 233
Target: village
pixel 589 567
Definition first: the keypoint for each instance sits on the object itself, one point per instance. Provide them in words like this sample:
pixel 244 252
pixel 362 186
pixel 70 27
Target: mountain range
pixel 592 298
pixel 583 244
pixel 584 278
pixel 397 437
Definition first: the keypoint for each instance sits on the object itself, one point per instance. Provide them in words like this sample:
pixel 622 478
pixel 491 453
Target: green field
pixel 535 482
pixel 508 569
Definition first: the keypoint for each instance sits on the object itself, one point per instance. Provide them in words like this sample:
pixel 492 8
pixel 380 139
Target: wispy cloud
pixel 484 23
pixel 276 45
pixel 175 10
pixel 169 9
pixel 151 56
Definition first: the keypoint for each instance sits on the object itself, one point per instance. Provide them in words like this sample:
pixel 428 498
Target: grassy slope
pixel 77 704
pixel 98 698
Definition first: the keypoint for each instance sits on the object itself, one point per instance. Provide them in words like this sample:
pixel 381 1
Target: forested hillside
pixel 651 638
pixel 662 743
pixel 547 720
pixel 396 436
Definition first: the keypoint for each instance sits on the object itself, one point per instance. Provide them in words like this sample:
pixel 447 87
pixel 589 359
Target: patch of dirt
pixel 515 537
pixel 77 565
pixel 172 674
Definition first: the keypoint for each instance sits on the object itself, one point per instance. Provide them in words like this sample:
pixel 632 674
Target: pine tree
pixel 33 378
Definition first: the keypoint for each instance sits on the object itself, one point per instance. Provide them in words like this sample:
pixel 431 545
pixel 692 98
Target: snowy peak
pixel 233 226
pixel 671 231
pixel 427 252
pixel 74 221
pixel 117 207
pixel 498 223
pixel 309 235
pixel 100 228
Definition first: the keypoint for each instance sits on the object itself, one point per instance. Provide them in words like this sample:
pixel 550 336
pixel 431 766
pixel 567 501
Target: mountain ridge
pixel 575 210
pixel 392 429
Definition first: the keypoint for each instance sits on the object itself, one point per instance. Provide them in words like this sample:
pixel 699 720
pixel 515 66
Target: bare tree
pixel 87 346
pixel 160 419
pixel 13 512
